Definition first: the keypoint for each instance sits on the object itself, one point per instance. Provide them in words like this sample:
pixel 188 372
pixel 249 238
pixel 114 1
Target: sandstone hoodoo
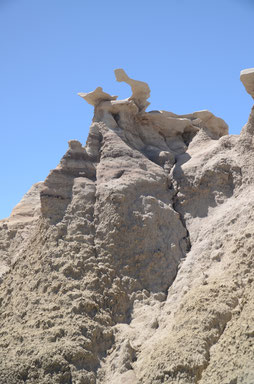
pixel 133 261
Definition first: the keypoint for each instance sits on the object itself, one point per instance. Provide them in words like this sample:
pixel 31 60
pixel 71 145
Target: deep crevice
pixel 181 217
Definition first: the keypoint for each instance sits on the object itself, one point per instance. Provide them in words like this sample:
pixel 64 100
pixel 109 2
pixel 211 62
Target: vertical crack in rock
pixel 175 202
pixel 102 290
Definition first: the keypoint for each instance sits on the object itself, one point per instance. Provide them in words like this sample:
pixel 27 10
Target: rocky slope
pixel 133 261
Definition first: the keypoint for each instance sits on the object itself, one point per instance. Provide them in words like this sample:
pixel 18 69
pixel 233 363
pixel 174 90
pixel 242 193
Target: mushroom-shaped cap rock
pixel 96 96
pixel 140 90
pixel 247 78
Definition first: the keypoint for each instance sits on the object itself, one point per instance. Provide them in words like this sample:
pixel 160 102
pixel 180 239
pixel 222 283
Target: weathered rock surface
pixel 140 90
pixel 247 78
pixel 96 96
pixel 137 263
pixel 15 231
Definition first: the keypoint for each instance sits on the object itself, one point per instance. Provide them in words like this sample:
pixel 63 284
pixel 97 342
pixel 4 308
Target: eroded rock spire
pixel 140 92
pixel 133 261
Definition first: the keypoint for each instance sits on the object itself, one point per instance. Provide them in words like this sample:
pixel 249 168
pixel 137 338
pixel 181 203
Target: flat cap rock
pixel 247 78
pixel 96 96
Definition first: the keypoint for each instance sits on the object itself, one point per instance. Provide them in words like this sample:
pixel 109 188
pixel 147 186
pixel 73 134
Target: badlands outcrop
pixel 133 261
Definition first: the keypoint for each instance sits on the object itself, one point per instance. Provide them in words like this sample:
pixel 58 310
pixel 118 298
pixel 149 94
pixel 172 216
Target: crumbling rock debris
pixel 133 261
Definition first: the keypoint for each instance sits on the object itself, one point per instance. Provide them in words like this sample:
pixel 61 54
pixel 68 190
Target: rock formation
pixel 133 261
pixel 140 90
pixel 247 78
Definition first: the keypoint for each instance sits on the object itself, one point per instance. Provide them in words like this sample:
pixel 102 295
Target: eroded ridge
pixel 132 271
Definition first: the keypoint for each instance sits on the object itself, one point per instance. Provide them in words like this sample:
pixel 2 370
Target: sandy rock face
pixel 136 259
pixel 15 231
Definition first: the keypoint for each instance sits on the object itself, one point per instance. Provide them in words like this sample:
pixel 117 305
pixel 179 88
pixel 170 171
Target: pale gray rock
pixel 247 78
pixel 29 207
pixel 15 230
pixel 56 193
pixel 139 265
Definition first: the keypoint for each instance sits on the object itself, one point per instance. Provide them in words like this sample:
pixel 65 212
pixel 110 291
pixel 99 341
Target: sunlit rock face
pixel 133 261
pixel 247 78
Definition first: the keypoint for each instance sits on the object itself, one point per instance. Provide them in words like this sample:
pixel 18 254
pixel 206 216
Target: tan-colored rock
pixel 29 207
pixel 247 78
pixel 140 90
pixel 15 231
pixel 139 267
pixel 96 96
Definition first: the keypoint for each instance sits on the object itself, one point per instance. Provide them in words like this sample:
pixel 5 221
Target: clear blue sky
pixel 189 51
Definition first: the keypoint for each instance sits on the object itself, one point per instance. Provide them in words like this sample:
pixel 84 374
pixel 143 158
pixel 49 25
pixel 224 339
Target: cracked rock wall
pixel 133 261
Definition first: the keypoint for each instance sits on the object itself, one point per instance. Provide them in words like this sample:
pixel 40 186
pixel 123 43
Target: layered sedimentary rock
pixel 137 259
